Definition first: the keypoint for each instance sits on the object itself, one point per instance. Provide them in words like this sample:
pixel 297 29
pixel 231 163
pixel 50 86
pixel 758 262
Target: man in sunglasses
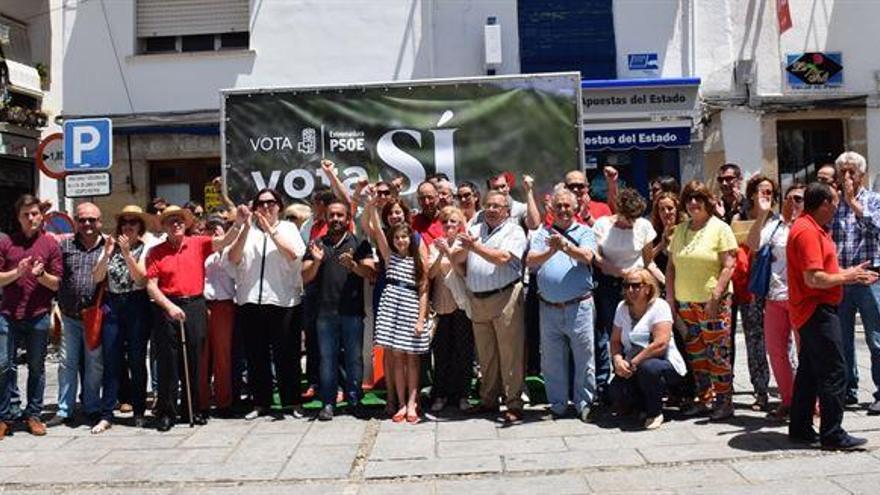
pixel 733 203
pixel 588 210
pixel 80 363
pixel 856 232
pixel 30 269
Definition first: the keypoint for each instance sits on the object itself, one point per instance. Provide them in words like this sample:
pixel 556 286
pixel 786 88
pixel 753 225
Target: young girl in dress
pixel 400 321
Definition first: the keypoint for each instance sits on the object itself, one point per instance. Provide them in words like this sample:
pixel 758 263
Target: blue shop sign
pixel 642 139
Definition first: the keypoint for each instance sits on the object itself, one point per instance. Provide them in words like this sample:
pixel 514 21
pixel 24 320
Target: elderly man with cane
pixel 175 282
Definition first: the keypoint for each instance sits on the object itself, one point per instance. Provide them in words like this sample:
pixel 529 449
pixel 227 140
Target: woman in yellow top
pixel 702 256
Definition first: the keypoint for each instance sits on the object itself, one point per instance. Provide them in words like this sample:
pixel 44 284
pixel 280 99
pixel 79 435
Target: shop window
pixel 805 145
pixel 179 181
pixel 636 169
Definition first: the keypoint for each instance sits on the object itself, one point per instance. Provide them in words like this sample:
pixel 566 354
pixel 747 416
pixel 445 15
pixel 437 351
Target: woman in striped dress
pixel 400 321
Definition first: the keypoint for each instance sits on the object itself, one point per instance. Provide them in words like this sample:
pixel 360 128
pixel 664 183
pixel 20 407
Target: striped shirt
pixel 484 276
pixel 857 237
pixel 77 288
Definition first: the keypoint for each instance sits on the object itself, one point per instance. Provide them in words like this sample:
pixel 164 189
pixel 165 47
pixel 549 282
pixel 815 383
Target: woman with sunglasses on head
pixel 702 257
pixel 127 326
pixel 645 358
pixel 267 256
pixel 773 229
pixel 759 189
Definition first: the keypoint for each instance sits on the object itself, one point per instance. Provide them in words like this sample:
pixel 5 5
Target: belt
pixel 563 304
pixel 400 283
pixel 185 300
pixel 490 293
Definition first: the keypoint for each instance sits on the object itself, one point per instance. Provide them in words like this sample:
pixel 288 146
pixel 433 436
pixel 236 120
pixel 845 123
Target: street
pixel 454 454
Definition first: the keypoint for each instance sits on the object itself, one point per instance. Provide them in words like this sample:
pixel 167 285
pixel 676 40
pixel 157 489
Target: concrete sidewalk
pixel 454 454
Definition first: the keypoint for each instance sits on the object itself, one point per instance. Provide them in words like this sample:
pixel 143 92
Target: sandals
pixel 399 416
pixel 101 427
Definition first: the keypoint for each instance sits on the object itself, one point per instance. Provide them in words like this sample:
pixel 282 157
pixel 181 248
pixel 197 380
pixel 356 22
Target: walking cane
pixel 189 403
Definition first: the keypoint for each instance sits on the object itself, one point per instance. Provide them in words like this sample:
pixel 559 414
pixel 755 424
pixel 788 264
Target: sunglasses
pixel 633 285
pixel 726 178
pixel 464 196
pixel 576 186
pixel 268 203
pixel 383 192
pixel 129 221
pixel 85 220
pixel 796 198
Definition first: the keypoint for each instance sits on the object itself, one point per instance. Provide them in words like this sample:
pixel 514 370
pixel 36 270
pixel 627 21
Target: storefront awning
pixel 24 79
pixel 637 135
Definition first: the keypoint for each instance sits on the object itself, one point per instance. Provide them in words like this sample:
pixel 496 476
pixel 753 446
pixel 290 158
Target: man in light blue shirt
pixel 563 253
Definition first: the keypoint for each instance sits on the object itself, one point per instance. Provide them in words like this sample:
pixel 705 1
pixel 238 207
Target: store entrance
pixel 636 168
pixel 16 178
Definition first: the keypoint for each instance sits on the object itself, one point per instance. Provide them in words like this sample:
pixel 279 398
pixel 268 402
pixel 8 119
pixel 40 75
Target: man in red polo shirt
pixel 814 289
pixel 176 282
pixel 426 222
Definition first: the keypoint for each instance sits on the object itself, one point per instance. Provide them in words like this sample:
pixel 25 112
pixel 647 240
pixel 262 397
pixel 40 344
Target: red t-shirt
pixel 181 272
pixel 26 297
pixel 428 229
pixel 810 247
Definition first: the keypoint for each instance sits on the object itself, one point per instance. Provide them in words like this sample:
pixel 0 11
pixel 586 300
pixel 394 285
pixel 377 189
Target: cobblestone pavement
pixel 454 454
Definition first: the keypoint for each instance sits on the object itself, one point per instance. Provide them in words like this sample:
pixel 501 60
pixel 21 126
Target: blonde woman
pixel 645 358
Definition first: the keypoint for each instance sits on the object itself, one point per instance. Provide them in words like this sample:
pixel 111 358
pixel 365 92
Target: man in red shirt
pixel 814 288
pixel 175 282
pixel 588 210
pixel 426 222
pixel 30 274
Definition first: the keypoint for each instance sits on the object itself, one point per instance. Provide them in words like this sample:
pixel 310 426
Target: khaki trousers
pixel 499 335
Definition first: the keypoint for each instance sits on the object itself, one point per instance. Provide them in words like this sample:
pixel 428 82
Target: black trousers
pixel 272 337
pixel 453 349
pixel 169 355
pixel 645 389
pixel 821 373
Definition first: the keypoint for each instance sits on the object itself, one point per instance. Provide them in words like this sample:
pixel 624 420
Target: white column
pixel 741 134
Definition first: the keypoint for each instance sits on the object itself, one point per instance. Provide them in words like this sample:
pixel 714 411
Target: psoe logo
pixel 308 142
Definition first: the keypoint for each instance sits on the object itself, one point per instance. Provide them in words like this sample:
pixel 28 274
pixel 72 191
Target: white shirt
pixel 484 276
pixel 219 285
pixel 638 336
pixel 778 270
pixel 622 248
pixel 265 275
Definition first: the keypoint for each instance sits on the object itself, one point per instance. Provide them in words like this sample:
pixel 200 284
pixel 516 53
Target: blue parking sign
pixel 88 144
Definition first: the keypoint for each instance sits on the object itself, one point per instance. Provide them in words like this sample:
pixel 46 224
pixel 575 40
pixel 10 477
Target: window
pixel 179 181
pixel 192 25
pixel 805 145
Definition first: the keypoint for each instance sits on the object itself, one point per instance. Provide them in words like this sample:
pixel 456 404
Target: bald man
pixel 79 255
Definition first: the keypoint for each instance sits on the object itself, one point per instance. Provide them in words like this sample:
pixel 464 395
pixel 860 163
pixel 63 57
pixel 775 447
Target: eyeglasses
pixel 796 198
pixel 85 220
pixel 726 178
pixel 129 221
pixel 268 203
pixel 633 285
pixel 464 196
pixel 575 186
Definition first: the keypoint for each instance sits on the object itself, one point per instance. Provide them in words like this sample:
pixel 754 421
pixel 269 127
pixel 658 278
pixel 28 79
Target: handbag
pixel 93 319
pixel 759 276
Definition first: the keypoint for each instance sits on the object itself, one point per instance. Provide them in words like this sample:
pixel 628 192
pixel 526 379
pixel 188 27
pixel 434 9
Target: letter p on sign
pixel 88 144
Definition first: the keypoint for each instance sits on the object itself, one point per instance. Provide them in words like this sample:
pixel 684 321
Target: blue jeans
pixel 34 332
pixel 76 356
pixel 348 332
pixel 565 331
pixel 125 333
pixel 863 299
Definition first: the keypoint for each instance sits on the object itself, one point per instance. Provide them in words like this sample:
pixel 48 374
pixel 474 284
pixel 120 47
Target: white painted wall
pixel 725 31
pixel 293 42
pixel 741 133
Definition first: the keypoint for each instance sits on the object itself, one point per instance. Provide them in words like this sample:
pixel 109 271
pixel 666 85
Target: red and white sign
pixel 783 15
pixel 50 156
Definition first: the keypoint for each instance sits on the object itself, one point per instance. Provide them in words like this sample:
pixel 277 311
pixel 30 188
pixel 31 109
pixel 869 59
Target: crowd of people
pixel 627 306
